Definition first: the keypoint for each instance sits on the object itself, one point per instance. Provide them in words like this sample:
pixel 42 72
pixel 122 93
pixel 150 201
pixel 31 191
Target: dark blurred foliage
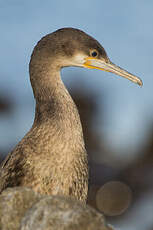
pixel 138 175
pixel 5 104
pixel 88 109
pixel 5 108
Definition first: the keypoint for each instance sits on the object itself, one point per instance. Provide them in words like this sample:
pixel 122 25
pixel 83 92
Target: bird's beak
pixel 95 63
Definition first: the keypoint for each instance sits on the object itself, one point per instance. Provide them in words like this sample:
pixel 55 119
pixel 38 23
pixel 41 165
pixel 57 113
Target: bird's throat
pixel 56 109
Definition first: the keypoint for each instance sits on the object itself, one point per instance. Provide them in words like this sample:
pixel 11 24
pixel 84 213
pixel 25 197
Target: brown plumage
pixel 51 158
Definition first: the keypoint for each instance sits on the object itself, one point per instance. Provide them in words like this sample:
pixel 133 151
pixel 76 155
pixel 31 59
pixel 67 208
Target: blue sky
pixel 124 28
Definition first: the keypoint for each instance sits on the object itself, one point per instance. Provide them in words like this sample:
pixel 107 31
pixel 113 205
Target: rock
pixel 23 209
pixel 62 213
pixel 110 227
pixel 13 204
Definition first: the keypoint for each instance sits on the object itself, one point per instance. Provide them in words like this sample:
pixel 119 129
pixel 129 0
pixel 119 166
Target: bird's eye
pixel 94 53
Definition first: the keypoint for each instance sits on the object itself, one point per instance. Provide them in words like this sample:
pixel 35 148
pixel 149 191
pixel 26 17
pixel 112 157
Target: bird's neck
pixel 55 109
pixel 54 102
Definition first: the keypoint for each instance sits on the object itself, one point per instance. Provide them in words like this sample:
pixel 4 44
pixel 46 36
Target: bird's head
pixel 73 47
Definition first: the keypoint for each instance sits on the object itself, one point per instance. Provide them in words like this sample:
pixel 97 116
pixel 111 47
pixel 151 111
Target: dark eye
pixel 94 53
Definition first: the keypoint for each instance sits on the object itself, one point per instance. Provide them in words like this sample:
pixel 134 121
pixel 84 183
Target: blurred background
pixel 117 115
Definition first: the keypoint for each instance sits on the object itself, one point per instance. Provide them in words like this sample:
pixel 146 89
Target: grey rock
pixel 62 213
pixel 13 204
pixel 23 209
